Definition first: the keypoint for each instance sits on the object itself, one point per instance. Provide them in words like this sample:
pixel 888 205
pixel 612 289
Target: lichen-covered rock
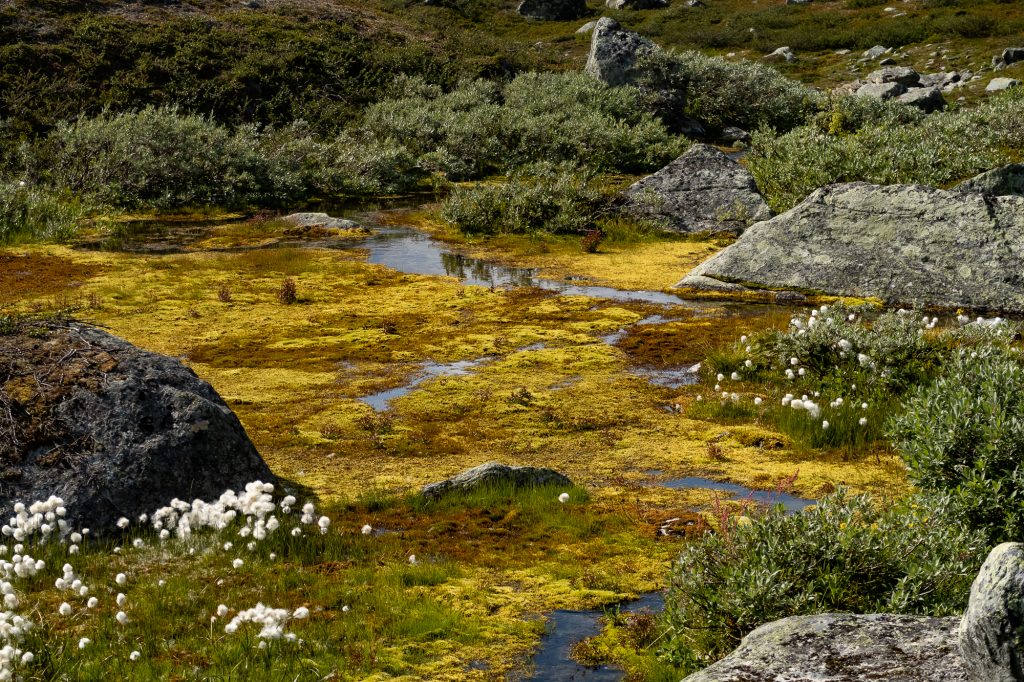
pixel 997 182
pixel 904 244
pixel 992 630
pixel 882 91
pixel 844 648
pixel 552 10
pixel 616 52
pixel 636 4
pixel 496 474
pixel 1000 84
pixel 112 429
pixel 701 191
pixel 319 220
pixel 895 74
pixel 927 100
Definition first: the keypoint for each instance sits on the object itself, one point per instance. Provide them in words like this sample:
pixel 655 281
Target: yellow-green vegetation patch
pixel 544 390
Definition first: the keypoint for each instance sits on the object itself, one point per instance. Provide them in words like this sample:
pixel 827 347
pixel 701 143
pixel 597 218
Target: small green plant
pixel 31 213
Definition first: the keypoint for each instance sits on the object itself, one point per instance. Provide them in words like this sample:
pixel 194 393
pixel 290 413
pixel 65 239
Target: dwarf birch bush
pixel 165 158
pixel 543 198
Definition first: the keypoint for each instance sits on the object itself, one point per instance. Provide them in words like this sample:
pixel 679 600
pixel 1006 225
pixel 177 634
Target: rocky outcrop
pixel 615 53
pixel 321 220
pixel 552 10
pixel 905 244
pixel 834 647
pixel 111 429
pixel 992 630
pixel 496 474
pixel 701 191
pixel 998 182
pixel 905 85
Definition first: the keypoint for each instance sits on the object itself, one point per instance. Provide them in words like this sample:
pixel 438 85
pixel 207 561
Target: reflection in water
pixel 791 503
pixel 411 251
pixel 381 401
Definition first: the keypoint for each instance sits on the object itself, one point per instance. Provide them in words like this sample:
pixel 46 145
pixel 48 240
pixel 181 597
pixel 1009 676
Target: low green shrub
pixel 846 554
pixel 158 157
pixel 542 198
pixel 29 213
pixel 480 127
pixel 742 93
pixel 936 150
pixel 963 435
pixel 166 158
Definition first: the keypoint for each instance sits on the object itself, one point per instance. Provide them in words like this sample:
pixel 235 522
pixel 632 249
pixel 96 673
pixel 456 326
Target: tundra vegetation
pixel 200 118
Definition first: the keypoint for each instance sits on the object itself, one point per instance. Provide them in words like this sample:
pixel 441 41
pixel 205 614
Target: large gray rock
pixel 882 91
pixel 844 648
pixel 553 10
pixel 701 191
pixel 112 429
pixel 496 474
pixel 904 75
pixel 319 220
pixel 992 630
pixel 616 52
pixel 1000 84
pixel 927 100
pixel 997 182
pixel 636 4
pixel 904 244
pixel 1012 55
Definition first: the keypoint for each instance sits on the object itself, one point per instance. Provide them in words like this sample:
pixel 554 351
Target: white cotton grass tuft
pixel 272 621
pixel 134 656
pixel 563 498
pixel 367 529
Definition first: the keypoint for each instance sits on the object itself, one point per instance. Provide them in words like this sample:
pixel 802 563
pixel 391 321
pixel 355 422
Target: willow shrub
pixel 542 198
pixel 847 554
pixel 936 150
pixel 963 435
pixel 481 127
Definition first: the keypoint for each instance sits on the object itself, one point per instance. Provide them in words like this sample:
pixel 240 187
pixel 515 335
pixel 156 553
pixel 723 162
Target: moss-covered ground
pixel 548 392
